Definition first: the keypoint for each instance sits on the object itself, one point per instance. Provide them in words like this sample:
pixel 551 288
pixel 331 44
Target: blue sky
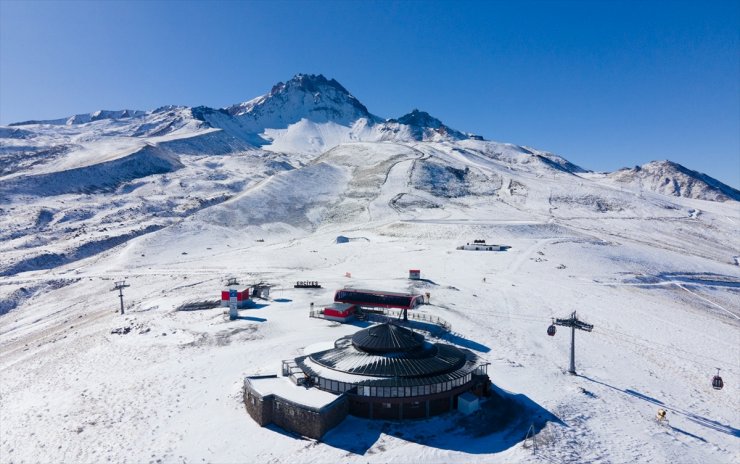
pixel 605 84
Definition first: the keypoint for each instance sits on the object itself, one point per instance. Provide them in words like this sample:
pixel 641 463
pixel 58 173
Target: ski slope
pixel 659 283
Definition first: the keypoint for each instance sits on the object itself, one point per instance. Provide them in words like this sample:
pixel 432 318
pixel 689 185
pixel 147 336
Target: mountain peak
pixel 424 126
pixel 420 119
pixel 309 83
pixel 309 96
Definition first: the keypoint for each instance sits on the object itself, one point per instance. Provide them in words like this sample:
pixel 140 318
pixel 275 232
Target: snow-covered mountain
pixel 176 199
pixel 671 178
pixel 85 118
pixel 152 161
pixel 304 97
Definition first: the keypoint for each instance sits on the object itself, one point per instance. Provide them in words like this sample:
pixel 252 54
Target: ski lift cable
pixel 616 335
pixel 703 335
pixel 652 343
pixel 642 350
pixel 644 346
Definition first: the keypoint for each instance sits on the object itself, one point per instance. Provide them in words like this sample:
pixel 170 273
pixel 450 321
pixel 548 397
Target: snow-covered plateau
pixel 177 200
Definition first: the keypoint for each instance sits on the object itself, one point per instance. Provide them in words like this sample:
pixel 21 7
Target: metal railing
pixel 389 315
pixel 421 317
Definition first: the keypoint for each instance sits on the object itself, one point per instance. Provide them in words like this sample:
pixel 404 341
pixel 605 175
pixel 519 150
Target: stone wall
pixel 259 407
pixel 304 420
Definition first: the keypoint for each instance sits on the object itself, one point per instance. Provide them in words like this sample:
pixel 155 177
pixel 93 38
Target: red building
pixel 378 298
pixel 242 298
pixel 341 312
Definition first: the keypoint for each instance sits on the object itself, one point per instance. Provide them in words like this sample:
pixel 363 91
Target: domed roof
pixel 389 350
pixel 387 338
pixel 426 361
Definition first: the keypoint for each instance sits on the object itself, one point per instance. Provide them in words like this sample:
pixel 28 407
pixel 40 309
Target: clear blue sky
pixel 605 84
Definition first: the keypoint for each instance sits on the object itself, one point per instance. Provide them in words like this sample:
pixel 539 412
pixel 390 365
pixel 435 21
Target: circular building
pixel 390 372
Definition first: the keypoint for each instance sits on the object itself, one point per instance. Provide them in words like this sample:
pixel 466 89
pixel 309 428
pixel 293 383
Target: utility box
pixel 468 403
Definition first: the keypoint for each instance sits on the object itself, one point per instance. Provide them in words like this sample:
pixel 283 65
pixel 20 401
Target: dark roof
pixel 387 350
pixel 428 361
pixel 379 292
pixel 386 338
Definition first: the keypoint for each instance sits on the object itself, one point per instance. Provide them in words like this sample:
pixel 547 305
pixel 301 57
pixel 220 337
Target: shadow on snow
pixel 501 423
pixel 703 421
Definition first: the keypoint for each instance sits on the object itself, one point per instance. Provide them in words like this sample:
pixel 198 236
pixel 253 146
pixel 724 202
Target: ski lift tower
pixel 574 324
pixel 120 285
pixel 233 290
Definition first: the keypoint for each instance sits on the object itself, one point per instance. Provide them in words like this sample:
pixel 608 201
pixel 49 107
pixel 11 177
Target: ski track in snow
pixel 169 390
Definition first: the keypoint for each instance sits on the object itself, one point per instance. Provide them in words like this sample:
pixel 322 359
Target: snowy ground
pixel 657 276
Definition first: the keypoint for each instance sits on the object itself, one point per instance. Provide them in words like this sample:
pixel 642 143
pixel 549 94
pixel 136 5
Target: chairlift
pixel 551 330
pixel 717 382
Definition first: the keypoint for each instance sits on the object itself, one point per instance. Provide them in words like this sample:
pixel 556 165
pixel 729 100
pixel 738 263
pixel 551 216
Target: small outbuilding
pixel 340 312
pixel 481 245
pixel 261 290
pixel 468 403
pixel 414 274
pixel 242 298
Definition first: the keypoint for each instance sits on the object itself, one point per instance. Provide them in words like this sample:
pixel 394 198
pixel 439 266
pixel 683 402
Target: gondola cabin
pixel 378 298
pixel 717 382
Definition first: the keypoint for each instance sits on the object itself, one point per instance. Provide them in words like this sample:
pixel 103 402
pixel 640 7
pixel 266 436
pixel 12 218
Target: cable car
pixel 717 382
pixel 551 330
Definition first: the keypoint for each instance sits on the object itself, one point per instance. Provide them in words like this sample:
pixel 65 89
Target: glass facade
pixel 394 392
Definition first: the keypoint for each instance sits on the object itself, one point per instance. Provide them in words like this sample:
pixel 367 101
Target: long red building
pixel 378 298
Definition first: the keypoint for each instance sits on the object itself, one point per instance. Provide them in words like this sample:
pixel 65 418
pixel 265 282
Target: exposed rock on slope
pixel 669 178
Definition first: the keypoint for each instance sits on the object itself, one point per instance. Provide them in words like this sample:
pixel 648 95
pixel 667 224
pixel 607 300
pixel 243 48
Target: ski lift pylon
pixel 717 382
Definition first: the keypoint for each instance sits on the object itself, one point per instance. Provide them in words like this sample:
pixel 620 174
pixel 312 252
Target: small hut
pixel 341 312
pixel 261 290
